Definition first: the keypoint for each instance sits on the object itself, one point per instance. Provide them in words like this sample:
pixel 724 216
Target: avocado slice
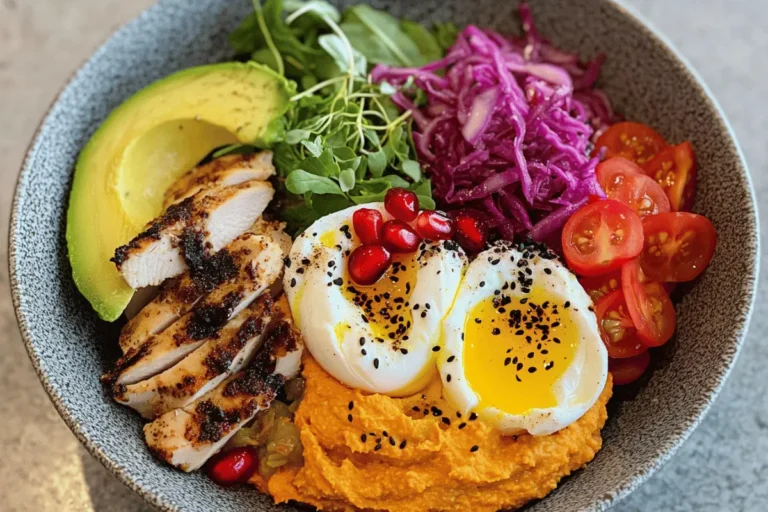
pixel 147 143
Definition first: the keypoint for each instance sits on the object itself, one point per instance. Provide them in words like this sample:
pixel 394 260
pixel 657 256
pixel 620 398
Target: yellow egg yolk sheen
pixel 515 349
pixel 384 304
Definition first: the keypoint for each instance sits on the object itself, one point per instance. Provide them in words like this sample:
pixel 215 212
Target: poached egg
pixel 383 338
pixel 522 347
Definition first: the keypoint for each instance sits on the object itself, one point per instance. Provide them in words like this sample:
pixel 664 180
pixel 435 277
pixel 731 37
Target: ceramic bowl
pixel 647 82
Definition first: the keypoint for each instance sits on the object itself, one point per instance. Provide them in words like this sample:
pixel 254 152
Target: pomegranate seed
pixel 368 263
pixel 402 204
pixel 433 225
pixel 367 223
pixel 471 231
pixel 233 467
pixel 400 237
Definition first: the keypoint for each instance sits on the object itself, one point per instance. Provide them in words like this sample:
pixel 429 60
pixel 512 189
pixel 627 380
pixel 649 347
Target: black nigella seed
pixel 376 363
pixel 519 332
pixel 448 377
pixel 293 282
pixel 462 425
pixel 305 261
pixel 392 441
pixel 404 351
pixel 351 405
pixel 364 352
pixel 496 331
pixel 472 417
pixel 474 448
pixel 436 411
pixel 547 271
pixel 556 340
pixel 532 369
pixel 287 262
pixel 482 283
pixel 523 300
pixel 451 359
pixel 478 321
pixel 436 348
pixel 423 314
pixel 377 447
pixel 362 341
pixel 415 408
pixel 338 281
pixel 445 420
pixel 363 438
pixel 349 418
pixel 507 361
pixel 385 433
pixel 402 444
pixel 567 304
pixel 519 366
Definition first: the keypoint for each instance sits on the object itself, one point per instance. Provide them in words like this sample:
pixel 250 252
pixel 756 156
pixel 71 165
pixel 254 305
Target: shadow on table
pixel 107 492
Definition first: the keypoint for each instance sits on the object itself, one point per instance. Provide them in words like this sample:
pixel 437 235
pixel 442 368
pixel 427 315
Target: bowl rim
pixel 629 484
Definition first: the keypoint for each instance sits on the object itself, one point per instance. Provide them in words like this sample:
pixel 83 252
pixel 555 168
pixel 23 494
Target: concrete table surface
pixel 722 467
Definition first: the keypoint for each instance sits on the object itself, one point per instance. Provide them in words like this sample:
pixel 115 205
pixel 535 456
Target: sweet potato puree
pixel 374 452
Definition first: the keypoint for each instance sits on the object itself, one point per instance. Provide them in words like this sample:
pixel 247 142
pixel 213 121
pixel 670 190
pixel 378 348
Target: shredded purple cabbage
pixel 507 128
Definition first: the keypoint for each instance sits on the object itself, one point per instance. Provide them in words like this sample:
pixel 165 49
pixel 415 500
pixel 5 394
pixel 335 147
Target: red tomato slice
pixel 675 170
pixel 600 286
pixel 649 306
pixel 633 141
pixel 678 246
pixel 628 370
pixel 616 327
pixel 625 182
pixel 601 236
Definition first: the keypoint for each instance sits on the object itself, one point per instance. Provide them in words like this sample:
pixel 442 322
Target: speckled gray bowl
pixel 646 80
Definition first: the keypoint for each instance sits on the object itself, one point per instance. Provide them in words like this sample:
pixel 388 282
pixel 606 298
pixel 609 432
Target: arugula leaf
pixel 379 37
pixel 233 149
pixel 319 8
pixel 300 181
pixel 426 203
pixel 340 51
pixel 323 165
pixel 426 42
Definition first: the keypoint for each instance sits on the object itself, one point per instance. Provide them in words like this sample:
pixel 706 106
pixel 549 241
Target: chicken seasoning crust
pixel 471 245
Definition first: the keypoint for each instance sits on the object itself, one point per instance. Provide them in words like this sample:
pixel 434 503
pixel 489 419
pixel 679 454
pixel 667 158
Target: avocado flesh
pixel 147 143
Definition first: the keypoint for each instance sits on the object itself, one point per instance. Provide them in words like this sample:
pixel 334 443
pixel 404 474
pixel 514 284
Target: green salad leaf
pixel 345 142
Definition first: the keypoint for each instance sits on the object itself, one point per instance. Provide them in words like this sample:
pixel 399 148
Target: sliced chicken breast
pixel 205 368
pixel 188 437
pixel 235 263
pixel 191 231
pixel 223 172
pixel 203 323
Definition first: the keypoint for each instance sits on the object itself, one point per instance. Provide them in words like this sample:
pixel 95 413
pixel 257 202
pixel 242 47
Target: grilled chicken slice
pixel 190 231
pixel 223 172
pixel 203 323
pixel 205 368
pixel 231 265
pixel 188 437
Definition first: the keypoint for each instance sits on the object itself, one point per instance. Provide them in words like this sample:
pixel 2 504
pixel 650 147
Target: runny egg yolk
pixel 385 304
pixel 516 349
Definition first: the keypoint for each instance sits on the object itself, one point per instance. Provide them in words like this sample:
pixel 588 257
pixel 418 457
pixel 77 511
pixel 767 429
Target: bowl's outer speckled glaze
pixel 647 82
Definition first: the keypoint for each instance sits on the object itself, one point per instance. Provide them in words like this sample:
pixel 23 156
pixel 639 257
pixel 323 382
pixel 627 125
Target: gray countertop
pixel 722 467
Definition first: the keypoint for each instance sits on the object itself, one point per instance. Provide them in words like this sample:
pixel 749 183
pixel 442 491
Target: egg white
pixel 319 309
pixel 580 385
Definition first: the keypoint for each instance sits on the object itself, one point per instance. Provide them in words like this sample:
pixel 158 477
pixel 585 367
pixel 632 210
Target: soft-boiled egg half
pixel 383 338
pixel 522 347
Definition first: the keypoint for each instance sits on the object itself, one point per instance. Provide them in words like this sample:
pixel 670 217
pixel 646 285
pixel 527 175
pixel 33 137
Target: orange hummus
pixel 374 452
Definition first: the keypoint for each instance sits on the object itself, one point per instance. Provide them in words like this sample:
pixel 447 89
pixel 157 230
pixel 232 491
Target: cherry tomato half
pixel 600 286
pixel 616 327
pixel 633 141
pixel 674 169
pixel 601 236
pixel 678 246
pixel 625 182
pixel 628 370
pixel 649 306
